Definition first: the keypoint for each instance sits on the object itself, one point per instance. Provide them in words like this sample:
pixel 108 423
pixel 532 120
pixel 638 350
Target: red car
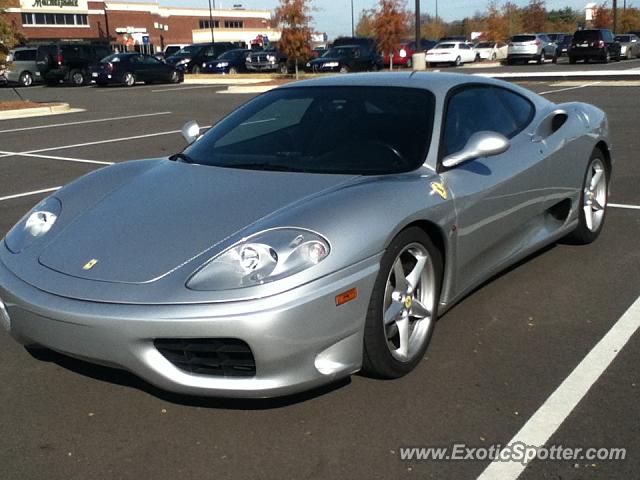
pixel 403 56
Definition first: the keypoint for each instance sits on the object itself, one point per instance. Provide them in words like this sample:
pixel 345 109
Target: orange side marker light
pixel 347 296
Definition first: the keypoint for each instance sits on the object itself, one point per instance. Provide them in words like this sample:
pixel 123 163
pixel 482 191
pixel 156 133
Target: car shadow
pixel 128 379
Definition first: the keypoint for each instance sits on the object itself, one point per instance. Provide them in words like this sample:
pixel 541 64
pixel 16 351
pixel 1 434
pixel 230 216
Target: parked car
pixel 629 45
pixel 129 68
pixel 595 44
pixel 3 77
pixel 555 37
pixel 531 46
pixel 316 231
pixel 345 59
pixel 173 48
pixel 453 53
pixel 493 51
pixel 69 62
pixel 403 57
pixel 269 60
pixel 193 58
pixel 565 45
pixel 231 62
pixel 23 68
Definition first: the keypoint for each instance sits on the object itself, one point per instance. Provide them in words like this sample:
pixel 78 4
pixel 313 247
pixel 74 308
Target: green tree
pixel 294 17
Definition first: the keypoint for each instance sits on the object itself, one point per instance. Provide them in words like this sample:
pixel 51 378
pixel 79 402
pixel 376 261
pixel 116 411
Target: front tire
pixel 541 58
pixel 403 307
pixel 458 62
pixel 593 201
pixel 129 79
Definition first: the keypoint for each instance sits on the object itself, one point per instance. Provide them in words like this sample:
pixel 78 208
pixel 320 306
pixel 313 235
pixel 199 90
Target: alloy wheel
pixel 409 302
pixel 595 195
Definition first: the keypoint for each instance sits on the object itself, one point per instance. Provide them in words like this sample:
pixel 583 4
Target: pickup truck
pixel 267 61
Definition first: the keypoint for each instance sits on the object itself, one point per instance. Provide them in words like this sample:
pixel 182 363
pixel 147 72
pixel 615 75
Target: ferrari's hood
pixel 169 214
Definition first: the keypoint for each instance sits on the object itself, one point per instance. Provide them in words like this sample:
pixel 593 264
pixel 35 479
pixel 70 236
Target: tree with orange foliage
pixel 602 16
pixel 534 16
pixel 9 37
pixel 630 20
pixel 390 24
pixel 497 27
pixel 294 16
pixel 364 28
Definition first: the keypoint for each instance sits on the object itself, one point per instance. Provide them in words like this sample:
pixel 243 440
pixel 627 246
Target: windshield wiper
pixel 183 157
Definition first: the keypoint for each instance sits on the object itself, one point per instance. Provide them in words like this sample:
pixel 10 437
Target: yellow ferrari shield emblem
pixel 90 264
pixel 408 302
pixel 438 187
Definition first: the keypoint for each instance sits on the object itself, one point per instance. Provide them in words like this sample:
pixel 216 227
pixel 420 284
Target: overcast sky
pixel 334 16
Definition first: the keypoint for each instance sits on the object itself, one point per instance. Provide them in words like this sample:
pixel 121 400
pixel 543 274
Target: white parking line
pixel 36 192
pixel 569 88
pixel 111 140
pixel 51 157
pixel 84 122
pixel 186 88
pixel 561 403
pixel 622 205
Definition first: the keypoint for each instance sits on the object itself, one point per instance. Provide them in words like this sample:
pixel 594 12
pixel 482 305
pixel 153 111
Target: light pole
pixel 353 28
pixel 211 18
pixel 418 35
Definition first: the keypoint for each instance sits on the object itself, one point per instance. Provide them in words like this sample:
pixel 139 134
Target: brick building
pixel 127 23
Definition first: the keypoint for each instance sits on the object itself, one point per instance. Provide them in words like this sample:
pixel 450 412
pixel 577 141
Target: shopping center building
pixel 148 26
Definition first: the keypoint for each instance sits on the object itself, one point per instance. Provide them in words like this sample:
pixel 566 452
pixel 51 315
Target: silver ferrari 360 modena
pixel 316 231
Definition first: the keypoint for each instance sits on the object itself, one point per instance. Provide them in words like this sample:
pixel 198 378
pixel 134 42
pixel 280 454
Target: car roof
pixel 22 49
pixel 436 82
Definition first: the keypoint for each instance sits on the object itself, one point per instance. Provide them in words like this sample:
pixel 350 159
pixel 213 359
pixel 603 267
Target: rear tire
pixel 283 69
pixel 593 201
pixel 541 58
pixel 607 57
pixel 406 292
pixel 129 79
pixel 26 79
pixel 233 71
pixel 344 69
pixel 77 77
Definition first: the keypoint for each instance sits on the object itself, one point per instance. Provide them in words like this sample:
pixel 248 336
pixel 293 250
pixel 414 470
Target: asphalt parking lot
pixel 494 360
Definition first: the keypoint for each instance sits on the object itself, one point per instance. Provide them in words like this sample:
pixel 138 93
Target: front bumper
pixel 299 339
pixel 263 67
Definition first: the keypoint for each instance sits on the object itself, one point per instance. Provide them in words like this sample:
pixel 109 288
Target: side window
pixel 478 108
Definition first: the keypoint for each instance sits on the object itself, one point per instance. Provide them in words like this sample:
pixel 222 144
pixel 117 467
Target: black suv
pixel 193 58
pixel 598 44
pixel 345 59
pixel 69 62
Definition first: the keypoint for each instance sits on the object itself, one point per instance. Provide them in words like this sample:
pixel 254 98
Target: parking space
pixel 494 360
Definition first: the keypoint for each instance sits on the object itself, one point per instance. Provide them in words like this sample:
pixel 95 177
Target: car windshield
pixel 485 45
pixel 230 55
pixel 339 130
pixel 339 52
pixel 445 45
pixel 586 35
pixel 523 38
pixel 187 51
pixel 622 38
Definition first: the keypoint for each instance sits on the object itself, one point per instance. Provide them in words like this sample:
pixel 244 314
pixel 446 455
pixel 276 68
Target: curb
pixel 224 81
pixel 57 109
pixel 249 89
pixel 567 75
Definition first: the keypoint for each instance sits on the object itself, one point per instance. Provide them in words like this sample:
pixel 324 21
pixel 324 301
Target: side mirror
pixel 480 144
pixel 191 131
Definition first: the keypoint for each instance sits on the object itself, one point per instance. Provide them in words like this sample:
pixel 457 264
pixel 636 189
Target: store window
pixel 207 24
pixel 233 24
pixel 67 19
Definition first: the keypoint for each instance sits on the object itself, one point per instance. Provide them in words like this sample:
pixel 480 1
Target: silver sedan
pixel 318 230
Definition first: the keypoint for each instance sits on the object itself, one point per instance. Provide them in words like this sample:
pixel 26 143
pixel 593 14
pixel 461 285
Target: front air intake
pixel 219 357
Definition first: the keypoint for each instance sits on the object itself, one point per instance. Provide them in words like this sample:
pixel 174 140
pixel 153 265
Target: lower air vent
pixel 220 357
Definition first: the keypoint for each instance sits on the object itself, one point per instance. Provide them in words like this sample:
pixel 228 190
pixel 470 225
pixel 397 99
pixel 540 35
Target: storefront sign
pixel 54 5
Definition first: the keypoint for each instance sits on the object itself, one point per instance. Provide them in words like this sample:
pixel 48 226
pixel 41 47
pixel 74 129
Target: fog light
pixel 5 321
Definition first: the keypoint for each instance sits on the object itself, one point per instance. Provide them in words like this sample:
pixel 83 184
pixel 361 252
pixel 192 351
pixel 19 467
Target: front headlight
pixel 330 64
pixel 249 60
pixel 262 258
pixel 403 53
pixel 33 225
pixel 271 58
pixel 223 64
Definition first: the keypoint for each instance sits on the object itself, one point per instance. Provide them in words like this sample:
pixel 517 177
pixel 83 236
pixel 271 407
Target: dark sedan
pixel 345 59
pixel 129 68
pixel 232 62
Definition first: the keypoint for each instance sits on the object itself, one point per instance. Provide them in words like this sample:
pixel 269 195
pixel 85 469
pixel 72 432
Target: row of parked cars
pixel 79 63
